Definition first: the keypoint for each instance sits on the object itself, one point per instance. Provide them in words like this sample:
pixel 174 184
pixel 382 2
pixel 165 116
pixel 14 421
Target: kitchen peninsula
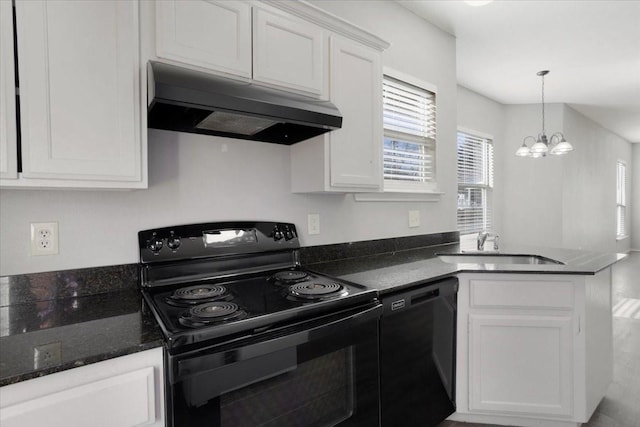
pixel 534 341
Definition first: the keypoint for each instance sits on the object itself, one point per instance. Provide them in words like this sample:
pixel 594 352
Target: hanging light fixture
pixel 557 145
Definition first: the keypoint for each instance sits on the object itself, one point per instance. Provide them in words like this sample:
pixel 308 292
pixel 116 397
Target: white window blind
pixel 621 198
pixel 475 183
pixel 409 118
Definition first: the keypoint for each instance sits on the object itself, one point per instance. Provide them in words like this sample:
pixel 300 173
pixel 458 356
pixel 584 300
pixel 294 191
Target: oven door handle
pixel 274 341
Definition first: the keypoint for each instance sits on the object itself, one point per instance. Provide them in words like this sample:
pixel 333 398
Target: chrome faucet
pixel 483 236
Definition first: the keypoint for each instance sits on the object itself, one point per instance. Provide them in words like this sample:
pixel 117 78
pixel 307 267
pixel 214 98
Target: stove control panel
pixel 215 239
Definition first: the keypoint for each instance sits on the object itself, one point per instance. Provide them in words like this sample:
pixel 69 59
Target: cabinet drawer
pixel 556 294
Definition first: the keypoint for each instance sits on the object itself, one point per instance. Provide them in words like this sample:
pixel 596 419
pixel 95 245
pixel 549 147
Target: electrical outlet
pixel 313 223
pixel 44 238
pixel 47 355
pixel 414 219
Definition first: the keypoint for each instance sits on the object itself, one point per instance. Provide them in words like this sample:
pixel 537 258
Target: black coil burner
pixel 290 276
pixel 315 291
pixel 198 294
pixel 211 312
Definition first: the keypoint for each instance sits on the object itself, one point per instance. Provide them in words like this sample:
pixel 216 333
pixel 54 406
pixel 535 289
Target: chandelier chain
pixel 543 129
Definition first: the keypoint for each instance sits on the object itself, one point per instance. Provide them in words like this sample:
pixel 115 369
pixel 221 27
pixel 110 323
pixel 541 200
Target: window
pixel 621 198
pixel 409 117
pixel 475 183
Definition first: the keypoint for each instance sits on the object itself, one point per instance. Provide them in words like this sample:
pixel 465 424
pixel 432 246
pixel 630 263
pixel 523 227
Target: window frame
pixel 621 200
pixel 487 189
pixel 399 186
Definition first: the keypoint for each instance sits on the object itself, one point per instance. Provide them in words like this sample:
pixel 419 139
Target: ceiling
pixel 592 49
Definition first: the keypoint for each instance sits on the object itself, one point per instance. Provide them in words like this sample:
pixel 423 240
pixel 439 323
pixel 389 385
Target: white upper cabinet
pixel 8 141
pixel 79 76
pixel 356 89
pixel 288 52
pixel 206 33
pixel 251 40
pixel 347 159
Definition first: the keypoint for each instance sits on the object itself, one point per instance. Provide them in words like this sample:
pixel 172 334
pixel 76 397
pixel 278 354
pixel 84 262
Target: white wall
pixel 589 202
pixel 635 198
pixel 191 178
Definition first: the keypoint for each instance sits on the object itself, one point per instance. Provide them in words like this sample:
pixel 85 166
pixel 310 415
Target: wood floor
pixel 621 406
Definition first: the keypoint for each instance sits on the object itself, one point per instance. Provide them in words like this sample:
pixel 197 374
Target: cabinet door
pixel 8 142
pixel 79 89
pixel 356 89
pixel 520 364
pixel 207 33
pixel 288 52
pixel 125 391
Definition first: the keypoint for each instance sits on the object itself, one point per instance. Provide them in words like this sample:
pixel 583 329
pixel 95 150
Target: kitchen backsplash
pixel 35 287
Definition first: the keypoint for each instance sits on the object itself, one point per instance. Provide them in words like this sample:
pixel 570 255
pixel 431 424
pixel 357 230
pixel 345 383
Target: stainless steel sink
pixel 494 258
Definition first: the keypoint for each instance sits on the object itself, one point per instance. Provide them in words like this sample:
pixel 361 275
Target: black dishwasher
pixel 417 355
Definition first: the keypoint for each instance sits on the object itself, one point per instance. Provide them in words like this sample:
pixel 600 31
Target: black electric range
pixel 216 280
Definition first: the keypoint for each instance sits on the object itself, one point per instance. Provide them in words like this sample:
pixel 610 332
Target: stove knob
pixel 288 234
pixel 277 234
pixel 173 242
pixel 155 244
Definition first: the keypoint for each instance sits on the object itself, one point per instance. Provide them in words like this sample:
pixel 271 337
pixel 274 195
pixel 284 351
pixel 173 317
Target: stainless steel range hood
pixel 185 100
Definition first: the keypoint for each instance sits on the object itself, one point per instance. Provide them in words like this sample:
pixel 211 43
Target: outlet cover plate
pixel 44 238
pixel 47 355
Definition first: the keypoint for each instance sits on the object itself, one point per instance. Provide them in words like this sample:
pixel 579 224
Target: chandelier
pixel 556 145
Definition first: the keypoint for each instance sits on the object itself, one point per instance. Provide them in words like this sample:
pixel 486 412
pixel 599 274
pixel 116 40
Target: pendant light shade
pixel 523 151
pixel 540 147
pixel 557 145
pixel 562 147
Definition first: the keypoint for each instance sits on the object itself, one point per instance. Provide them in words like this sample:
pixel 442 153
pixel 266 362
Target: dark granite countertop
pixel 98 313
pixel 393 271
pixel 89 328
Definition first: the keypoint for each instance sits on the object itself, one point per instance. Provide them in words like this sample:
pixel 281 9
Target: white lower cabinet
pixel 125 391
pixel 533 350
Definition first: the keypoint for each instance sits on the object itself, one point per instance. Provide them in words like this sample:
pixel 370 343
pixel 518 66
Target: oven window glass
pixel 318 392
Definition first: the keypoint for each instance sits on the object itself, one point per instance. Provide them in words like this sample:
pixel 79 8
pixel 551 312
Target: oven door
pixel 321 372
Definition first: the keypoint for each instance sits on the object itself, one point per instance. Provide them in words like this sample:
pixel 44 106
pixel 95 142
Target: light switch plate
pixel 313 223
pixel 414 218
